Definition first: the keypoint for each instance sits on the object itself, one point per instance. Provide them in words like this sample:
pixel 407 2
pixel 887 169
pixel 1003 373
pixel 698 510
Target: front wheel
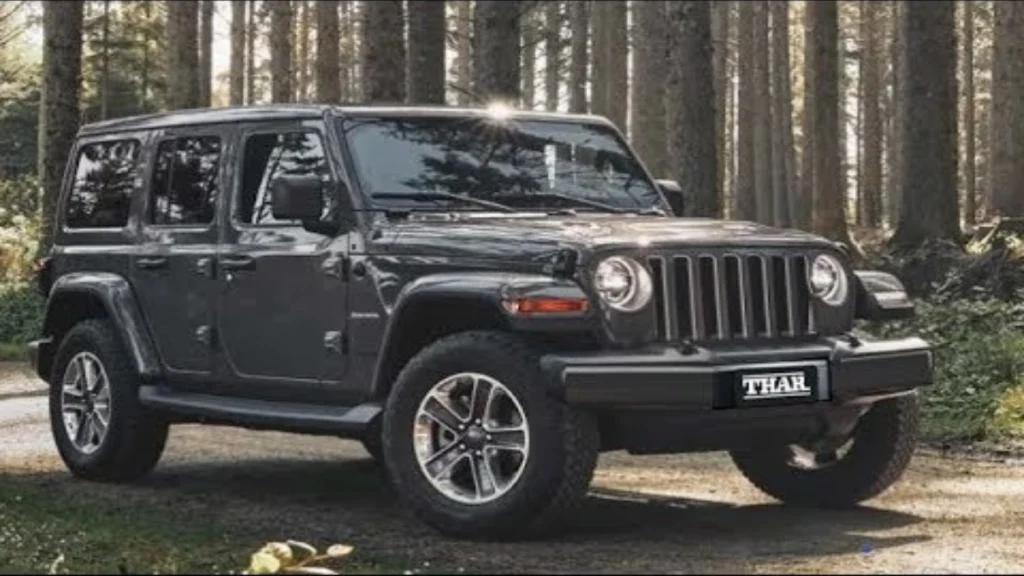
pixel 477 447
pixel 840 475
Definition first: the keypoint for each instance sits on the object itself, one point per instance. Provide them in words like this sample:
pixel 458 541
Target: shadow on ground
pixel 351 501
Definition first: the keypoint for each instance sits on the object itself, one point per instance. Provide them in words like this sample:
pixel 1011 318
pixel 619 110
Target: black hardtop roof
pixel 267 112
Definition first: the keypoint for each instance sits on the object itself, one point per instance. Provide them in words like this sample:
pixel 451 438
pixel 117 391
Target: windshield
pixel 525 164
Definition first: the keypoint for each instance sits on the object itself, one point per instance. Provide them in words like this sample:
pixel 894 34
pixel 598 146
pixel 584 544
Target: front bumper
pixel 849 371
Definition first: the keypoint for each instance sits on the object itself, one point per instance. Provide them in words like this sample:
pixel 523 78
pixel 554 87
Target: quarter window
pixel 101 193
pixel 268 156
pixel 184 188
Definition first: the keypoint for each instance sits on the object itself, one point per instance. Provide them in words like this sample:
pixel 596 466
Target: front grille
pixel 704 297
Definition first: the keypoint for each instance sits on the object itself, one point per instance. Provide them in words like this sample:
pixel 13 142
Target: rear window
pixel 101 193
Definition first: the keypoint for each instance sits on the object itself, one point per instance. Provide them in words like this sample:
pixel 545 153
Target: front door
pixel 282 301
pixel 172 271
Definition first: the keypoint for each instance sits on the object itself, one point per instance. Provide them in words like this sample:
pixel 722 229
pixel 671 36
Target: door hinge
pixel 204 334
pixel 336 267
pixel 334 342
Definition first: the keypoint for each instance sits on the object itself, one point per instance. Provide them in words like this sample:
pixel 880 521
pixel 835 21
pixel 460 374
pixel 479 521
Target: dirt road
pixel 651 514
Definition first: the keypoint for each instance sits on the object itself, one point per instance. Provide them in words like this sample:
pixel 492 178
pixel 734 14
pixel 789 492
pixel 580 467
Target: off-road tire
pixel 563 441
pixel 883 443
pixel 135 437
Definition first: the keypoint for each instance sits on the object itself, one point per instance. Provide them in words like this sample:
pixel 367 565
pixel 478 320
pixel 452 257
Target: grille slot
pixel 708 297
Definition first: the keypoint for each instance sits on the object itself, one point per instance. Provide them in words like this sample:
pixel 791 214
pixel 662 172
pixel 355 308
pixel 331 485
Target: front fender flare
pixel 114 294
pixel 478 289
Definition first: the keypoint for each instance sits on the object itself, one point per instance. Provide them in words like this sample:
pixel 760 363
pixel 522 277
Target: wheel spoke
pixel 440 412
pixel 82 432
pixel 102 415
pixel 507 439
pixel 481 399
pixel 97 428
pixel 91 375
pixel 483 479
pixel 443 460
pixel 74 404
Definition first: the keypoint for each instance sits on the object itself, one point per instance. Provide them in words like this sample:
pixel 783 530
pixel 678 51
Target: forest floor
pixel 220 493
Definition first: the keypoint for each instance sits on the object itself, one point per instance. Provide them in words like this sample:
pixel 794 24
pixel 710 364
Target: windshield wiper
pixel 568 198
pixel 439 195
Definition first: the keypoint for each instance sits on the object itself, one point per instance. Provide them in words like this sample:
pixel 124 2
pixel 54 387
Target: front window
pixel 521 164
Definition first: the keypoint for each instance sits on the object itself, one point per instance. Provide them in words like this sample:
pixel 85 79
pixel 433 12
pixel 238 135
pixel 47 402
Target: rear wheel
pixel 101 430
pixel 841 473
pixel 477 447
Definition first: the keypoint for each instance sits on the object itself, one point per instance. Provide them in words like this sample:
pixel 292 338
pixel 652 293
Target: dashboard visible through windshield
pixel 473 163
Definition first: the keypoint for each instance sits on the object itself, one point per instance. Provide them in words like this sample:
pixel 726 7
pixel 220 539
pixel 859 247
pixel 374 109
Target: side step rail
pixel 261 414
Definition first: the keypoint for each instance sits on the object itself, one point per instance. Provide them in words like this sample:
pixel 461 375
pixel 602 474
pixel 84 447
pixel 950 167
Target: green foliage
pixel 979 355
pixel 1008 420
pixel 21 313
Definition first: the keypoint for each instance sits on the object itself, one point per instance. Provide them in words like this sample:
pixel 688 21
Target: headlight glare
pixel 623 283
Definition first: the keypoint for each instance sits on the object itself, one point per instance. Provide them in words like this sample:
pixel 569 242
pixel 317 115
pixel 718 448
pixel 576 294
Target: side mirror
pixel 301 198
pixel 674 194
pixel 296 198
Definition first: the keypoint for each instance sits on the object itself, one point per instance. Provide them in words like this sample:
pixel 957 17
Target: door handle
pixel 238 263
pixel 151 263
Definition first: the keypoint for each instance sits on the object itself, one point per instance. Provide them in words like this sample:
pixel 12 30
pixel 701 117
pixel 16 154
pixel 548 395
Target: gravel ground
pixel 690 513
pixel 18 379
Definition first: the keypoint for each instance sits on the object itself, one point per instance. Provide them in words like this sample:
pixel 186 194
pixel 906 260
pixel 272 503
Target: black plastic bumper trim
pixel 701 381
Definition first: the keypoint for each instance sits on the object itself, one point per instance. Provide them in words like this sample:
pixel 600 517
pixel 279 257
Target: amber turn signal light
pixel 523 306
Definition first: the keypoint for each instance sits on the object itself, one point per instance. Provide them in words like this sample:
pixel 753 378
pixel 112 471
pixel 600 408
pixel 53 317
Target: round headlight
pixel 623 283
pixel 828 280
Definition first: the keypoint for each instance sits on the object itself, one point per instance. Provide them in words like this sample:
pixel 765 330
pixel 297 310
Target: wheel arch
pixel 436 306
pixel 80 296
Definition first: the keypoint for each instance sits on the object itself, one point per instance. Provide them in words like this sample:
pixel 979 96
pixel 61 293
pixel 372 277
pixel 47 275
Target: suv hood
pixel 532 235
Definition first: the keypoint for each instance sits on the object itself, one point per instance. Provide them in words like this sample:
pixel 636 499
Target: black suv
pixel 487 299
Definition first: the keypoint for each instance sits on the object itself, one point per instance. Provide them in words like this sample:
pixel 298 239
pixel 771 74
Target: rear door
pixel 173 270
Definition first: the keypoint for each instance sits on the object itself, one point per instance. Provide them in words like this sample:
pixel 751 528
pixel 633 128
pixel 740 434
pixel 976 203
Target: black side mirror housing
pixel 300 198
pixel 674 194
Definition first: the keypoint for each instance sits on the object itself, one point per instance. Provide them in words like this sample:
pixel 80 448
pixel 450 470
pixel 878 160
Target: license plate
pixel 773 386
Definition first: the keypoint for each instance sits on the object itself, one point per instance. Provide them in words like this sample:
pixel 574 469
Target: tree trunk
pixel 929 125
pixel 236 92
pixel 463 52
pixel 426 51
pixel 829 211
pixel 528 49
pixel 147 17
pixel 552 53
pixel 1007 132
pixel 781 116
pixel 206 53
pixel 346 60
pixel 105 64
pixel 280 51
pixel 183 44
pixel 805 201
pixel 59 106
pixel 745 194
pixel 894 199
pixel 250 56
pixel 720 44
pixel 496 50
pixel 303 67
pixel 384 51
pixel 599 60
pixel 578 21
pixel 328 83
pixel 647 99
pixel 617 59
pixel 970 194
pixel 762 115
pixel 690 106
pixel 871 130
